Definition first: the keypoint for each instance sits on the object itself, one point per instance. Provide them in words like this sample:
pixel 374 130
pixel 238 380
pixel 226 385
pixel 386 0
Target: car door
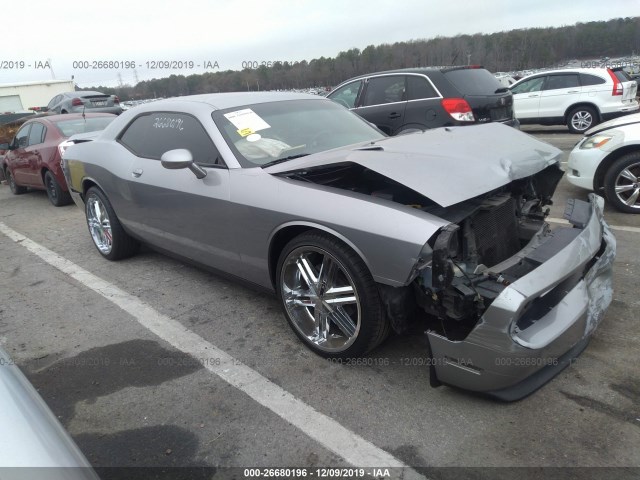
pixel 560 91
pixel 173 209
pixel 423 108
pixel 526 97
pixel 18 157
pixel 384 101
pixel 36 153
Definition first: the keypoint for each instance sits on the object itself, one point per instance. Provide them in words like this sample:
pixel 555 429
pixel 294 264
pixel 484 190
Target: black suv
pixel 399 101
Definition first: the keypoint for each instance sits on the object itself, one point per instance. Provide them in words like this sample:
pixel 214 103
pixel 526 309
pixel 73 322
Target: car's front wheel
pixel 107 233
pixel 15 188
pixel 581 119
pixel 329 297
pixel 622 183
pixel 57 196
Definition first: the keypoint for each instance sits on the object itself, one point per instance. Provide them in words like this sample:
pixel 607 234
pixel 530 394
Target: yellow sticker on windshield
pixel 245 132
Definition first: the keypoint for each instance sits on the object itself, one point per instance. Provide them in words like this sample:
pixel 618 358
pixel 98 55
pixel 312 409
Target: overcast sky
pixel 231 32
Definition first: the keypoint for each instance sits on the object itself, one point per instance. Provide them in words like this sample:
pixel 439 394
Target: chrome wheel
pixel 627 186
pixel 581 120
pixel 99 224
pixel 320 299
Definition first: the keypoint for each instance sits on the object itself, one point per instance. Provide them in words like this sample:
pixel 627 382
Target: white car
pixel 579 98
pixel 607 160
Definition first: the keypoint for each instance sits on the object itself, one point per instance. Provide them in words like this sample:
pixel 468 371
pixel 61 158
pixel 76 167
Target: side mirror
pixel 181 158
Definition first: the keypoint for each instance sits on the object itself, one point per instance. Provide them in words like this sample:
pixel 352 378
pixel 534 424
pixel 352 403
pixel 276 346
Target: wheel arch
pixel 288 231
pixel 605 164
pixel 582 104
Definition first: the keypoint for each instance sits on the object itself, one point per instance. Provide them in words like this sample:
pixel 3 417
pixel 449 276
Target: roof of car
pixel 220 101
pixel 66 116
pixel 423 70
pixel 601 70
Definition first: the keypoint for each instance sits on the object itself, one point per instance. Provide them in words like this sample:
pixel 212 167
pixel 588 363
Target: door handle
pixel 394 115
pixel 573 91
pixel 137 172
pixel 534 95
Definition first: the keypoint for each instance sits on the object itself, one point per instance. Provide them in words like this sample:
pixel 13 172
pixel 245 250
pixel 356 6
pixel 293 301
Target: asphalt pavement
pixel 150 362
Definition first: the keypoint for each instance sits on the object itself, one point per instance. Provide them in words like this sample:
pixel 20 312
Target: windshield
pixel 266 132
pixel 82 125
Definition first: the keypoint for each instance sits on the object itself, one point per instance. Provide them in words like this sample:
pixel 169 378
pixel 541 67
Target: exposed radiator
pixel 495 227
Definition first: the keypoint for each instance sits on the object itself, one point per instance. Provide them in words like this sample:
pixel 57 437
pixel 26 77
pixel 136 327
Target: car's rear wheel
pixel 107 233
pixel 622 183
pixel 15 188
pixel 57 196
pixel 329 297
pixel 581 119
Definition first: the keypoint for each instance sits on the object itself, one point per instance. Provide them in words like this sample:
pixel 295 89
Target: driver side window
pixel 347 95
pixel 152 134
pixel 533 85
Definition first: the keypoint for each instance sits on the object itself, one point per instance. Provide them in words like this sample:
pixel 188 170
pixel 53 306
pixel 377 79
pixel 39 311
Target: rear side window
pixel 152 134
pixel 36 136
pixel 385 89
pixel 587 80
pixel 555 82
pixel 473 81
pixel 419 87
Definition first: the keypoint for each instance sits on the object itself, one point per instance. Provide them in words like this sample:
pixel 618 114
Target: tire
pixel 57 196
pixel 622 183
pixel 581 119
pixel 15 188
pixel 105 229
pixel 310 266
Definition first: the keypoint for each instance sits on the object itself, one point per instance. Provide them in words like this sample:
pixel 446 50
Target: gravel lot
pixel 129 397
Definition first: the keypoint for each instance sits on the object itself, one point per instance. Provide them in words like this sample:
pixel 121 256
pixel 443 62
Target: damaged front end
pixel 511 301
pixel 483 250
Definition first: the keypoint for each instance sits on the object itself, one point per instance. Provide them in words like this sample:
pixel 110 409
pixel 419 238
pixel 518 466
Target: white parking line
pixel 329 433
pixel 620 228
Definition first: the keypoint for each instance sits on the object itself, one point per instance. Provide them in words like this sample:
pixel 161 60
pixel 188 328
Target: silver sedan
pixel 359 234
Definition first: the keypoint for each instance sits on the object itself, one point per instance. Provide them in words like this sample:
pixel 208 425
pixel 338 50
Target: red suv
pixel 33 157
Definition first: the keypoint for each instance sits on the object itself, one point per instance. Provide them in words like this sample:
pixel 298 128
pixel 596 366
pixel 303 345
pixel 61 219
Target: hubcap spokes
pixel 582 120
pixel 627 185
pixel 99 225
pixel 321 299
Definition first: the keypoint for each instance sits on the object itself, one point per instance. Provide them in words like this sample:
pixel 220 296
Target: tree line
pixel 512 50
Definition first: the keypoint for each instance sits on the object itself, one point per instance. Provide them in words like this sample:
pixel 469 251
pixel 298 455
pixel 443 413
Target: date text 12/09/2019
pixel 317 472
pixel 148 64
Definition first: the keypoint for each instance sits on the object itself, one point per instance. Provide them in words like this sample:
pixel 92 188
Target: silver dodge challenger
pixel 357 233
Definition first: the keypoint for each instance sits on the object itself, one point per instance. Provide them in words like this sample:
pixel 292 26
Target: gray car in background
pixel 357 233
pixel 84 101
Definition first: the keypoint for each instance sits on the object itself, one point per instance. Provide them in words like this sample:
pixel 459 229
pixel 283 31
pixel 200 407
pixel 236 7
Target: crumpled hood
pixel 447 165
